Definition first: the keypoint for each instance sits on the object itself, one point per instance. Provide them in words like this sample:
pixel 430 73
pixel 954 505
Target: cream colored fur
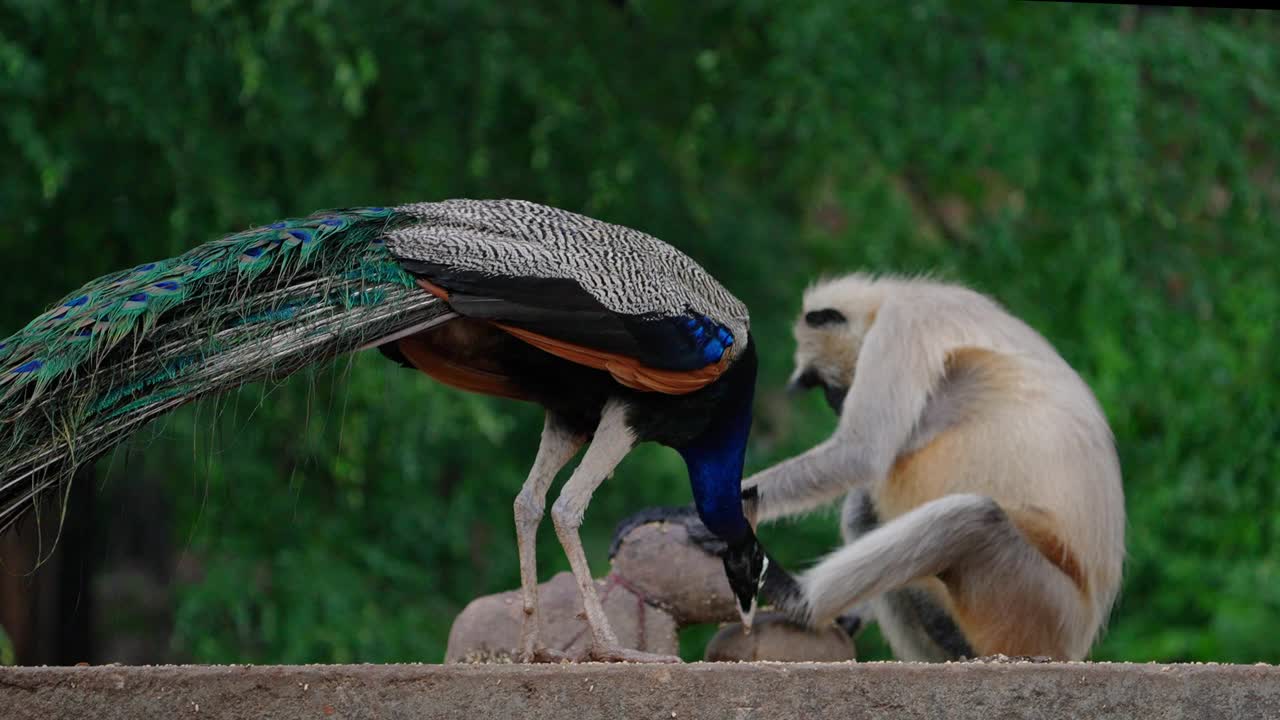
pixel 952 402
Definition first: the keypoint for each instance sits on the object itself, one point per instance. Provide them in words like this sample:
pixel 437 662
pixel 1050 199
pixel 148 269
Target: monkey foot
pixel 617 653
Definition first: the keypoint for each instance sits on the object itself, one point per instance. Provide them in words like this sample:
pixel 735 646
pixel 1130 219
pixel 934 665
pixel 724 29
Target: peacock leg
pixel 612 441
pixel 557 447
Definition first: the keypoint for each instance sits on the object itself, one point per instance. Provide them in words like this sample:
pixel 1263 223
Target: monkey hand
pixel 699 535
pixel 786 595
pixel 684 514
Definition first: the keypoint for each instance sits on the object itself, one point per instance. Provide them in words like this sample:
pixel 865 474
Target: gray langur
pixel 983 507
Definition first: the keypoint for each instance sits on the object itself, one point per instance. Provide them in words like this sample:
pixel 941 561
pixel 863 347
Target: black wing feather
pixel 561 309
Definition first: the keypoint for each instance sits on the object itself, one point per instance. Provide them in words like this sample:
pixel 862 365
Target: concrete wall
pixel 741 691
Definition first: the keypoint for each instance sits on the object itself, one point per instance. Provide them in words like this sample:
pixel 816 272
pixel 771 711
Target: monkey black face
pixel 807 380
pixel 810 379
pixel 824 339
pixel 744 565
pixel 835 396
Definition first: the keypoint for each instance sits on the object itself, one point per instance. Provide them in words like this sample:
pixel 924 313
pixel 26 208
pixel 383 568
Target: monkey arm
pixel 800 484
pixel 899 364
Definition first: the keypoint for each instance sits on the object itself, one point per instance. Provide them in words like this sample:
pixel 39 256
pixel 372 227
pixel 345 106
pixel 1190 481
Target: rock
pixel 772 637
pixel 803 691
pixel 658 561
pixel 661 580
pixel 488 628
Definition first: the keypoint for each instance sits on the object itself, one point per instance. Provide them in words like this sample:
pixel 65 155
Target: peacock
pixel 618 336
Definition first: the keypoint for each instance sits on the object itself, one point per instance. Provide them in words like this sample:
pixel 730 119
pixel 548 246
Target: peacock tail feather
pixel 135 344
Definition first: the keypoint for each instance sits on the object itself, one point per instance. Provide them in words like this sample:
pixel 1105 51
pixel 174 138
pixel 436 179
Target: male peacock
pixel 620 337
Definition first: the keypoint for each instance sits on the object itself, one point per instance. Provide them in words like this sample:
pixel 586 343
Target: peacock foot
pixel 545 655
pixel 617 653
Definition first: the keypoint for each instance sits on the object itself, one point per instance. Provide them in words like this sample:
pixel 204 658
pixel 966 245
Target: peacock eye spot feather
pixel 278 225
pixel 84 331
pixel 253 252
pixel 138 297
pixel 167 285
pixel 331 222
pixel 78 301
pixel 301 235
pixel 29 366
pixel 145 268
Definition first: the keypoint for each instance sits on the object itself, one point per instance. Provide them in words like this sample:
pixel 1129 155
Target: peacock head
pixel 745 564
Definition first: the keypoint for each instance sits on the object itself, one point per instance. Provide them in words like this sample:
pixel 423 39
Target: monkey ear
pixel 827 316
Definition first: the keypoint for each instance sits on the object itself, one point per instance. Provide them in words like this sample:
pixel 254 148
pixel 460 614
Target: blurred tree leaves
pixel 1107 172
pixel 6 649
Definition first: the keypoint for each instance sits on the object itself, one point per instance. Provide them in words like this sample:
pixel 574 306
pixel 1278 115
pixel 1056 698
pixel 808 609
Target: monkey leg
pixel 612 441
pixel 1005 596
pixel 857 518
pixel 914 624
pixel 557 447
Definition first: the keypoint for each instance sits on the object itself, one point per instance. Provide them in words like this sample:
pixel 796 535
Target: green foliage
pixel 6 649
pixel 1108 173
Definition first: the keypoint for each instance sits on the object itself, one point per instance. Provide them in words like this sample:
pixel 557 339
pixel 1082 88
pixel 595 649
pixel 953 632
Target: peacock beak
pixel 748 616
pixel 745 564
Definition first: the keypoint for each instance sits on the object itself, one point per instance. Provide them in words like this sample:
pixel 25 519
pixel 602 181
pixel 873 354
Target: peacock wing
pixel 601 295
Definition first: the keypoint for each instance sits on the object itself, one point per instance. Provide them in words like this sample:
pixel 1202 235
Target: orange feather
pixel 625 370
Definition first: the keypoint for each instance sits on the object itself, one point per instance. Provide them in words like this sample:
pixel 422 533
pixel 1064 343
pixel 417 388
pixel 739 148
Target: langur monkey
pixel 983 507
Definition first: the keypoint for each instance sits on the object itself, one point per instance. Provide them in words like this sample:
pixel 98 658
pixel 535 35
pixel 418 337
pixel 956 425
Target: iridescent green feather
pixel 133 344
pixel 95 318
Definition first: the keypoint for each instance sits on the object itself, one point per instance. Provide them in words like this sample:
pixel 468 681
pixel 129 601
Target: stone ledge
pixel 741 691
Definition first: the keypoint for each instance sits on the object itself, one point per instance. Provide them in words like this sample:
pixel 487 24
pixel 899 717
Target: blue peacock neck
pixel 716 457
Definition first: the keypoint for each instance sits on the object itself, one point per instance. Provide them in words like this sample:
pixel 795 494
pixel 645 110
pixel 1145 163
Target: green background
pixel 1108 173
